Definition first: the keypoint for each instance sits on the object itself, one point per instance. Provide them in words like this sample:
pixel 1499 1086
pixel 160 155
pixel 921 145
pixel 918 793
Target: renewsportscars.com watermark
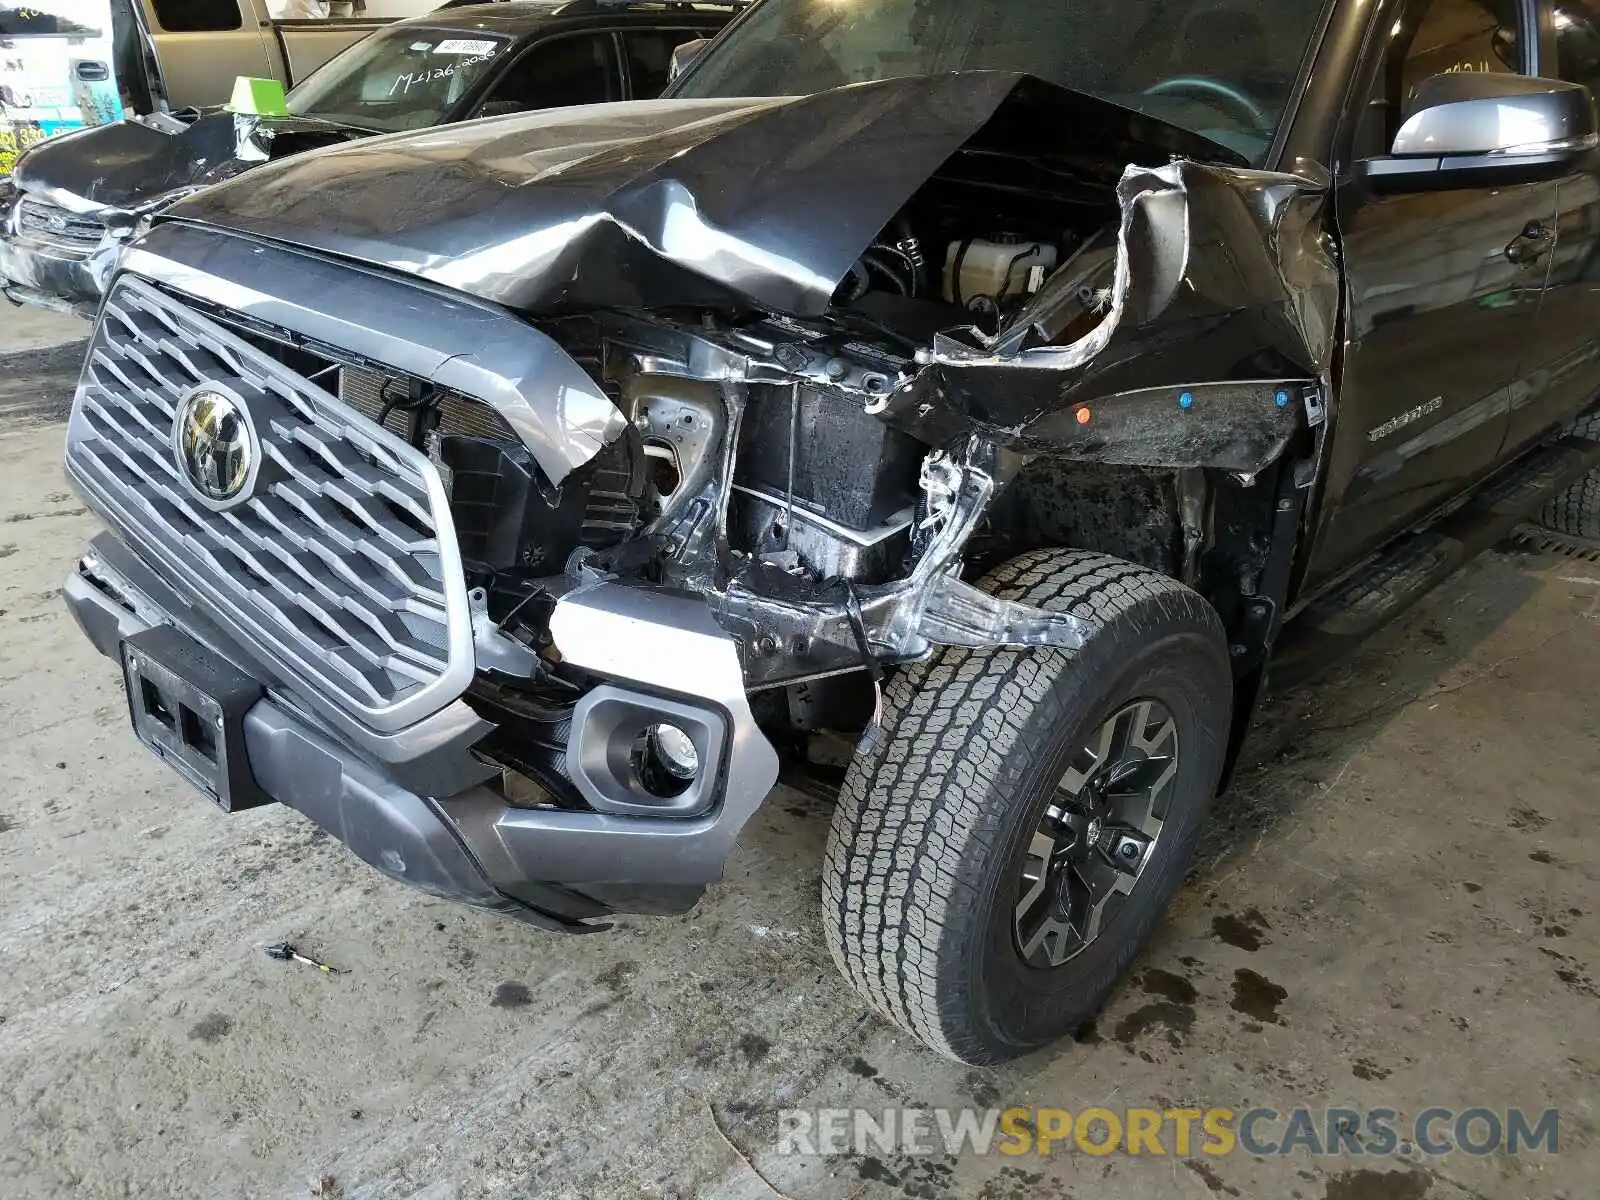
pixel 1178 1132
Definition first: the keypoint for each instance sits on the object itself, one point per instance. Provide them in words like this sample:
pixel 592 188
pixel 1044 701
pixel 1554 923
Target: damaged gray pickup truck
pixel 988 383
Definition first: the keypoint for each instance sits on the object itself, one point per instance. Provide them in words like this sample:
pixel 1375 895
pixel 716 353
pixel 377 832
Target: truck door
pixel 308 44
pixel 202 46
pixel 1567 343
pixel 1442 292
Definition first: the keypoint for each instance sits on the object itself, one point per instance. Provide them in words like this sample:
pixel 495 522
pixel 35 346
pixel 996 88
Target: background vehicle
pixel 187 53
pixel 76 200
pixel 999 408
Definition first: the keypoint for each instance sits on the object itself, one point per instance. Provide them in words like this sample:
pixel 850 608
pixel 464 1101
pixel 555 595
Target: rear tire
pixel 1576 511
pixel 934 874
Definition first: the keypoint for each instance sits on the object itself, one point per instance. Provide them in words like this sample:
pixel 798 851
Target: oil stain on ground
pixel 1257 996
pixel 1176 1018
pixel 212 1027
pixel 1577 981
pixel 981 1087
pixel 1173 1012
pixel 918 1178
pixel 1208 1175
pixel 617 975
pixel 1523 817
pixel 1378 1185
pixel 1013 1183
pixel 1169 986
pixel 1365 1068
pixel 18 518
pixel 511 994
pixel 1246 930
pixel 861 1067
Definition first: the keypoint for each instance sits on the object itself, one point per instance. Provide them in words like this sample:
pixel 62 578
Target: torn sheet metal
pixel 709 203
pixel 844 627
pixel 1189 342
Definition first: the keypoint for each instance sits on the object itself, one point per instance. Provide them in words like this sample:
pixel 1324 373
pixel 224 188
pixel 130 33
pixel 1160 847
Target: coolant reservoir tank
pixel 995 270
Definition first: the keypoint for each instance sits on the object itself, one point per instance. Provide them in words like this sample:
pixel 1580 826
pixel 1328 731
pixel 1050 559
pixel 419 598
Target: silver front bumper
pixel 414 804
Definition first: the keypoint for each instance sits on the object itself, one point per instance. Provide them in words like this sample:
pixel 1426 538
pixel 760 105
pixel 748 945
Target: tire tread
pixel 917 804
pixel 1576 511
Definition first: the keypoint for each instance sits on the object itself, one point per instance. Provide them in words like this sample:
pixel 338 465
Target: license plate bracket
pixel 188 705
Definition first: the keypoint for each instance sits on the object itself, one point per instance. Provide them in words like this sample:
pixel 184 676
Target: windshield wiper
pixel 339 122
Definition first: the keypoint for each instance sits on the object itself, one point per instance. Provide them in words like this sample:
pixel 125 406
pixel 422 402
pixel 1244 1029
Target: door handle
pixel 1532 244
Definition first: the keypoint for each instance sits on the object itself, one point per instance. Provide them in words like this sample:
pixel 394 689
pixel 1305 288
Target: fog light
pixel 645 756
pixel 665 760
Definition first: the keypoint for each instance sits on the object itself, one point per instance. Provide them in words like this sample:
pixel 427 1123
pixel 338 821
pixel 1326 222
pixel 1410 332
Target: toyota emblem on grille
pixel 56 222
pixel 216 446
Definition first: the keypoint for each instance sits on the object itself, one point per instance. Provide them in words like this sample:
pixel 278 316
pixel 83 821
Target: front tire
pixel 959 886
pixel 1575 513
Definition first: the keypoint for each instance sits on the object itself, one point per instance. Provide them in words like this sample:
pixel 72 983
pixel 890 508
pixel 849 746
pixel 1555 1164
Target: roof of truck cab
pixel 525 16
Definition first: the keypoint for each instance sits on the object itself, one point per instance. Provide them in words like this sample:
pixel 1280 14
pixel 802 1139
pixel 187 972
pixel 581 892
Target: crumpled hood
pixel 130 165
pixel 660 203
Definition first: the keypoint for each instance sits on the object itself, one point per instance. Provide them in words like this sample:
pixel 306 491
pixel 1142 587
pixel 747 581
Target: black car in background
pixel 73 202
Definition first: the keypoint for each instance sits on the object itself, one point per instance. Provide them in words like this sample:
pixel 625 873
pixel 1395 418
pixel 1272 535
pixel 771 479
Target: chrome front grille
pixel 53 225
pixel 340 571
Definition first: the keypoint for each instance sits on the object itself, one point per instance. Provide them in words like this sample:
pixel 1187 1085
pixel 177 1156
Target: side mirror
pixel 1483 129
pixel 683 55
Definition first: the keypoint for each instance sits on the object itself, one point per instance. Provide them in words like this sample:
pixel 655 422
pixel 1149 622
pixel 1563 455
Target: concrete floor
pixel 1396 906
pixel 37 328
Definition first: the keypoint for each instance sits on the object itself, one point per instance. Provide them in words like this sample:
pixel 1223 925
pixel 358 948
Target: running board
pixel 1419 562
pixel 1568 544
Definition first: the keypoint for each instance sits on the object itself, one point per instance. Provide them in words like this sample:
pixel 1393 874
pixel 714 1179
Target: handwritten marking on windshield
pixel 412 79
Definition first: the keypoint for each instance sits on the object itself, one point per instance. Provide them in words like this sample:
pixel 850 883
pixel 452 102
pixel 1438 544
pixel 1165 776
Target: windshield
pixel 402 78
pixel 1223 68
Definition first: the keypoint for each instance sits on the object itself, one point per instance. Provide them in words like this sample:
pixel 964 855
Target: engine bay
pixel 798 478
pixel 801 475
